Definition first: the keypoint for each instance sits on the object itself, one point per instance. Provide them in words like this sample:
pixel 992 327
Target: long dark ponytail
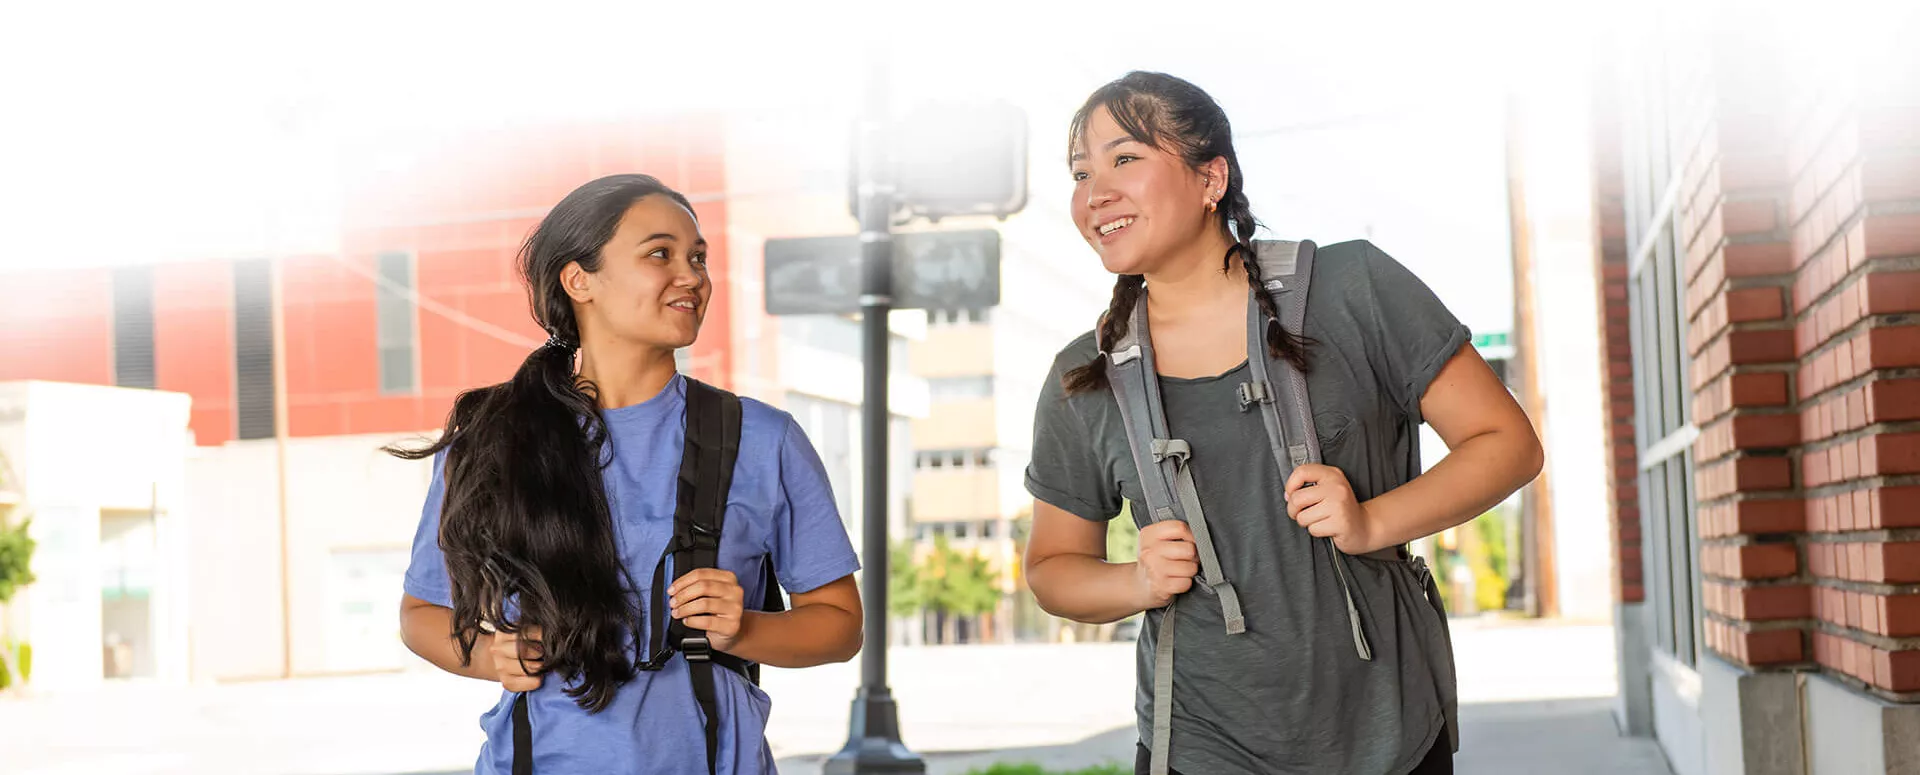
pixel 525 523
pixel 1176 116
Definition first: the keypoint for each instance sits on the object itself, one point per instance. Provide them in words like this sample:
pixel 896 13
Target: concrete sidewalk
pixel 1535 698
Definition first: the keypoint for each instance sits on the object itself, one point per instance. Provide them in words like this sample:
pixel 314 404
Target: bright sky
pixel 140 132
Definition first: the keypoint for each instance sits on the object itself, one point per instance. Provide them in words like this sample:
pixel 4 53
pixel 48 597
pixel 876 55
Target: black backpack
pixel 706 475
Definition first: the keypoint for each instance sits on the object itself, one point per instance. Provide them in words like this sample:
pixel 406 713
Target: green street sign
pixel 1497 339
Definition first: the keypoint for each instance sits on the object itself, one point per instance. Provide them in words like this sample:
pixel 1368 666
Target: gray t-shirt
pixel 1290 695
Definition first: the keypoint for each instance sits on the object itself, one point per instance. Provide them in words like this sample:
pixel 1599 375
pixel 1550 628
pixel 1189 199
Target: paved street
pixel 1534 695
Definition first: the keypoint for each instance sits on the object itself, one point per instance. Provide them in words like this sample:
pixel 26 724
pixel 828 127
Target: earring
pixel 1212 205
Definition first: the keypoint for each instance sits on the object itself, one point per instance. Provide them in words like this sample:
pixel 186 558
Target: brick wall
pixel 1616 349
pixel 1802 238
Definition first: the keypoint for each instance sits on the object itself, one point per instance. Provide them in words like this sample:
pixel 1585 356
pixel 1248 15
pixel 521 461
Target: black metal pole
pixel 873 741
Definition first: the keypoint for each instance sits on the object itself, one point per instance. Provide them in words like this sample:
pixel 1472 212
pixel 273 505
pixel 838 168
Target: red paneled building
pixel 360 355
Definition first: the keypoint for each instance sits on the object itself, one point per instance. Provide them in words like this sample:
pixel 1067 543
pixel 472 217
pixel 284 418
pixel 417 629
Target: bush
pixel 1028 768
pixel 22 657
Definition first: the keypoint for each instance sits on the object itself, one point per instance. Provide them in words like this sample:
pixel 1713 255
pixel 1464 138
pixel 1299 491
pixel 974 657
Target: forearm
pixel 1475 476
pixel 427 631
pixel 1087 589
pixel 806 636
pixel 801 637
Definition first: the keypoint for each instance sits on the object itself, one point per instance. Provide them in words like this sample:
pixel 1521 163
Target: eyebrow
pixel 1111 144
pixel 670 238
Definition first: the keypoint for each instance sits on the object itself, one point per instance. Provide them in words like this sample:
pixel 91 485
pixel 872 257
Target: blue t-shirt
pixel 781 506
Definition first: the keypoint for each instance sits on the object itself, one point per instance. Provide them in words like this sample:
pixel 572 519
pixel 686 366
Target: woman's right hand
pixel 516 659
pixel 1168 561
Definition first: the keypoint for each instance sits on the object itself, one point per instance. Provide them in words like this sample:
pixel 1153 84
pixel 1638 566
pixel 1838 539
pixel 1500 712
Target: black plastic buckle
pixel 696 648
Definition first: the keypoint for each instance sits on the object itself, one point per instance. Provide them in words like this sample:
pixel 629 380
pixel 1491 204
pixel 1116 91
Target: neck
pixel 1192 279
pixel 624 375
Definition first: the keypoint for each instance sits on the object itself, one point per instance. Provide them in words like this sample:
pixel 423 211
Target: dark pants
pixel 1439 760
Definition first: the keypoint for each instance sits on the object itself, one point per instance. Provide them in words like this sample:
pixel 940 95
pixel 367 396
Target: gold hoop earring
pixel 1212 205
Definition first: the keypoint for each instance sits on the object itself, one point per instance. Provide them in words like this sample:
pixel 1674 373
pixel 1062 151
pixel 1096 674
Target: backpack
pixel 707 459
pixel 1166 477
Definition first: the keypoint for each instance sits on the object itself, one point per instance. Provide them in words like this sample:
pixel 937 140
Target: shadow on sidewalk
pixel 1571 737
pixel 1112 746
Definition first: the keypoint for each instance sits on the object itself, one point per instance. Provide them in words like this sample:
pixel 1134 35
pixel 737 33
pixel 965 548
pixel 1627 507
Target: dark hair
pixel 1177 117
pixel 525 521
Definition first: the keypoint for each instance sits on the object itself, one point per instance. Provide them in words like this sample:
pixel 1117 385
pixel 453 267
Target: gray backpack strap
pixel 1286 272
pixel 1166 478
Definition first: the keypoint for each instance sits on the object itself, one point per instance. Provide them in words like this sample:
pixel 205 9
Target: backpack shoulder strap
pixel 1166 479
pixel 711 449
pixel 1286 275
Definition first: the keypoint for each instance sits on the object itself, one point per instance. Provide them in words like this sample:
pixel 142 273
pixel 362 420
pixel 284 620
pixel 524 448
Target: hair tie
pixel 555 340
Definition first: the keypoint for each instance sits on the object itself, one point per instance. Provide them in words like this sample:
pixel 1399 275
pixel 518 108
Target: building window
pixel 830 425
pixel 253 349
pixel 133 327
pixel 1661 397
pixel 941 389
pixel 396 318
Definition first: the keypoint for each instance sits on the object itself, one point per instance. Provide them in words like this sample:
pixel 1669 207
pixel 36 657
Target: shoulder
pixel 1346 262
pixel 1079 352
pixel 763 423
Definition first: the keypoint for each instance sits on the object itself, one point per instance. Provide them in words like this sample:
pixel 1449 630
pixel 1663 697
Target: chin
pixel 1120 262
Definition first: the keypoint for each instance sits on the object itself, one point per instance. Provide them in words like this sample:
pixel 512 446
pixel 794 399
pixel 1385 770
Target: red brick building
pixel 1759 208
pixel 360 356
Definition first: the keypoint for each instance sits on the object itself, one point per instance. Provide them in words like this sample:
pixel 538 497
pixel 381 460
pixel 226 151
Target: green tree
pixel 903 581
pixel 946 581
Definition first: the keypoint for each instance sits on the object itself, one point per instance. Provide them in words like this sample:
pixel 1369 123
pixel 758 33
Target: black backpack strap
pixel 706 476
pixel 522 737
pixel 711 448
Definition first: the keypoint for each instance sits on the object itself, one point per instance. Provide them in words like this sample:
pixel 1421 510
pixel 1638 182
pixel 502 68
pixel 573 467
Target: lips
pixel 689 305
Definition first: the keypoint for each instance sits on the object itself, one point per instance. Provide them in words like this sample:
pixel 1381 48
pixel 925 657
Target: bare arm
pixel 1067 567
pixel 822 627
pixel 1493 452
pixel 427 630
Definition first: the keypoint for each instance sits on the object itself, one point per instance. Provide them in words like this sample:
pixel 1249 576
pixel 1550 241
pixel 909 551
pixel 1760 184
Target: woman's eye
pixel 1079 176
pixel 1119 160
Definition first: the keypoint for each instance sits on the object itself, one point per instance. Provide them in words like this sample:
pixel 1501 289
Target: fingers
pixel 702 574
pixel 1307 498
pixel 1166 530
pixel 722 626
pixel 704 589
pixel 517 660
pixel 709 606
pixel 1313 474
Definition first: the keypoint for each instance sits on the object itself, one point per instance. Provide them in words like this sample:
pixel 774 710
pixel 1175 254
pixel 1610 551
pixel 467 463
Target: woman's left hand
pixel 710 599
pixel 1322 501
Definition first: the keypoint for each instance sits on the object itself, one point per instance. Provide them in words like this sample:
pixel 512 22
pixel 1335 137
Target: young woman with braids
pixel 1159 195
pixel 553 497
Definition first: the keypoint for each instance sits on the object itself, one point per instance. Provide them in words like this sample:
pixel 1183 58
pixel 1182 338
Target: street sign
pixel 950 158
pixel 1495 339
pixel 931 270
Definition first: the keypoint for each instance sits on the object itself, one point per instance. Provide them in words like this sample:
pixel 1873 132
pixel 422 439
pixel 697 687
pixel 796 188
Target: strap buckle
pixel 697 648
pixel 1254 393
pixel 1178 449
pixel 1123 356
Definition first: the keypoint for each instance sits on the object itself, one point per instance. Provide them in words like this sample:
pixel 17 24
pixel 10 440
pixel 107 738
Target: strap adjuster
pixel 696 648
pixel 1254 393
pixel 1178 449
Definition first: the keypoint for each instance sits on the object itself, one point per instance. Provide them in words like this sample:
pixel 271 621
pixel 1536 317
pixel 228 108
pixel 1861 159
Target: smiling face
pixel 651 287
pixel 1137 204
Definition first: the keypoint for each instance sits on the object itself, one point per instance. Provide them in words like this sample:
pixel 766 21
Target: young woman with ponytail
pixel 1160 196
pixel 553 499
